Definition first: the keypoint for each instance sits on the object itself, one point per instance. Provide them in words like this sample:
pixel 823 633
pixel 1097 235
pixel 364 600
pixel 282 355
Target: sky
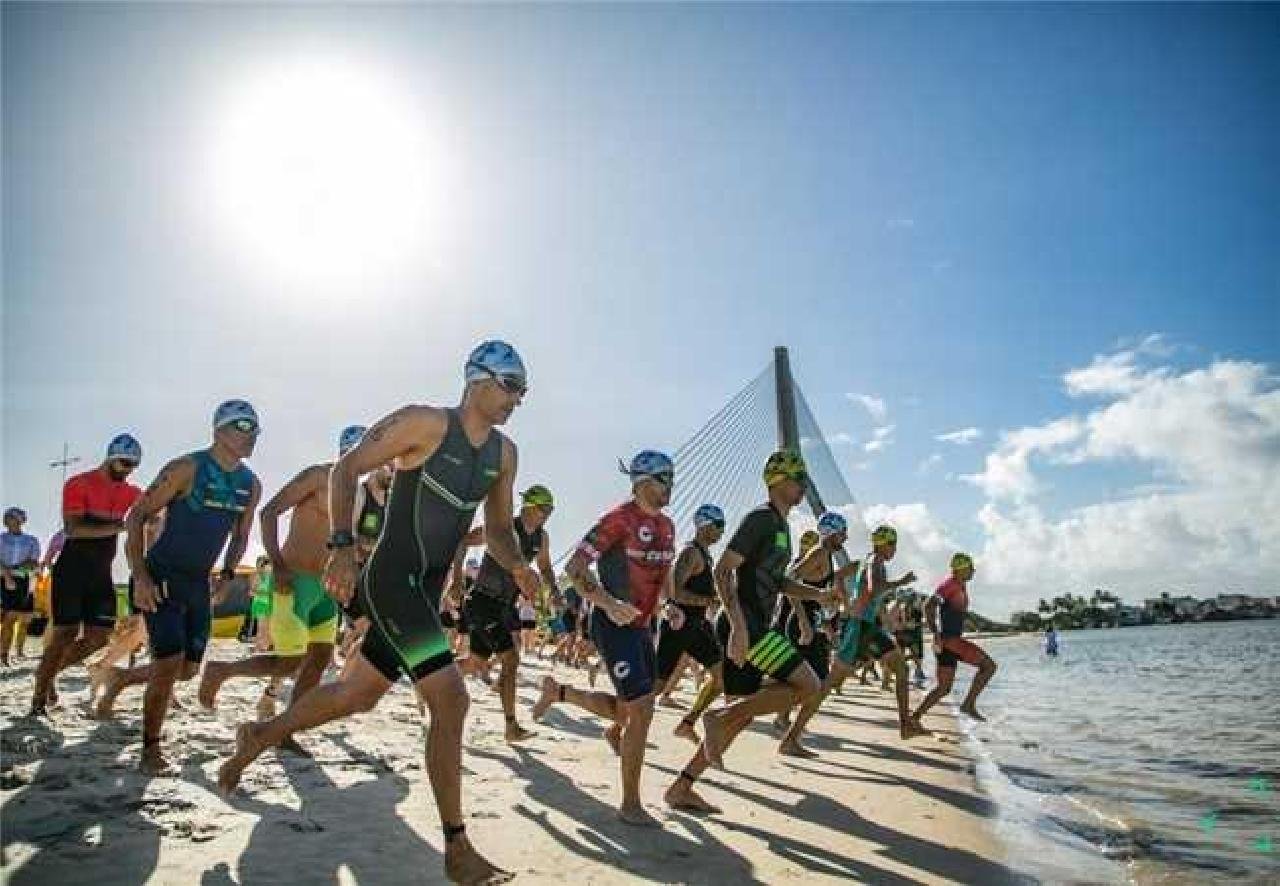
pixel 1024 257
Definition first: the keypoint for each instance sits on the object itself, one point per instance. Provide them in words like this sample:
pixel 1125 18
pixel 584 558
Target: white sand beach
pixel 873 809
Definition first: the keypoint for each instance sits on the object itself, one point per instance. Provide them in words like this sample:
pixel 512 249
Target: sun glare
pixel 322 171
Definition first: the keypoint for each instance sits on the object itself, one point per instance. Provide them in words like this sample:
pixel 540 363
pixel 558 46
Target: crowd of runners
pixel 375 563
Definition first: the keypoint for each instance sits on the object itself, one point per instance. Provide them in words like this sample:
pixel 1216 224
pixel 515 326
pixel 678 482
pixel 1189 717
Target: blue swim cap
pixel 493 359
pixel 125 448
pixel 649 463
pixel 708 515
pixel 832 523
pixel 232 411
pixel 349 437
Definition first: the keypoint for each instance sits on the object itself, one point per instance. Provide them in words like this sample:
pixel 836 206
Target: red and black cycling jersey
pixel 633 551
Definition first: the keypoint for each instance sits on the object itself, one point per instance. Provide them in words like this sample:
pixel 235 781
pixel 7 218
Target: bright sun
pixel 322 171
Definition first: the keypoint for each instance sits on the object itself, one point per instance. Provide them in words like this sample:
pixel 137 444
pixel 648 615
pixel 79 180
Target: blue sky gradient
pixel 948 208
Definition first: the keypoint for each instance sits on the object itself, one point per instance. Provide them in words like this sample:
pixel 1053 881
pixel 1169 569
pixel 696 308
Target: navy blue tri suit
pixel 196 529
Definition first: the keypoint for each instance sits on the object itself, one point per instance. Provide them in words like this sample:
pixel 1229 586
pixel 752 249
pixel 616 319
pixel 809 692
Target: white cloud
pixel 1212 434
pixel 874 405
pixel 841 438
pixel 881 439
pixel 900 223
pixel 1007 473
pixel 928 464
pixel 962 437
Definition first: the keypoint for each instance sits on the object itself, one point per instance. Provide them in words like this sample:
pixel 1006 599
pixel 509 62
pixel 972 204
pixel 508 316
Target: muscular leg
pixel 57 640
pixel 790 744
pixel 445 696
pixel 20 634
pixel 986 671
pixel 946 676
pixel 359 690
pixel 508 662
pixel 162 674
pixel 637 716
pixel 725 725
pixel 94 638
pixel 706 695
pixel 893 661
pixel 218 672
pixel 8 622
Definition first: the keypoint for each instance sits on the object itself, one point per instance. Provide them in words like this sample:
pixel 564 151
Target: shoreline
pixel 872 808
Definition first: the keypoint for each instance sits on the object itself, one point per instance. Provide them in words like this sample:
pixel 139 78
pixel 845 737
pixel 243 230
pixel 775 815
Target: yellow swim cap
pixel 884 535
pixel 960 562
pixel 785 464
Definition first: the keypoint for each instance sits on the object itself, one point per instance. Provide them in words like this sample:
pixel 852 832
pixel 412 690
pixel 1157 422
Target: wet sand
pixel 74 809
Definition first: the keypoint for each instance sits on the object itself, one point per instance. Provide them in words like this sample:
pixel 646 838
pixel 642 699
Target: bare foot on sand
pixel 111 682
pixel 793 748
pixel 153 762
pixel 210 683
pixel 515 732
pixel 713 742
pixel 462 864
pixel 682 796
pixel 913 730
pixel 972 712
pixel 613 735
pixel 550 695
pixel 636 814
pixel 248 747
pixel 685 729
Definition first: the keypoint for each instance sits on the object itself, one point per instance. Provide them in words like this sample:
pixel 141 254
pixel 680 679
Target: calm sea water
pixel 1143 755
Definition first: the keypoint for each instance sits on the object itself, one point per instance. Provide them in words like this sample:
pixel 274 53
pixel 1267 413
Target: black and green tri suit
pixel 429 510
pixel 763 540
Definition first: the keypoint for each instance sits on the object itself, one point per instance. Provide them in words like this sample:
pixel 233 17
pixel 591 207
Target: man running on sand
pixel 750 575
pixel 304 619
pixel 494 593
pixel 208 497
pixel 633 546
pixel 447 463
pixel 863 636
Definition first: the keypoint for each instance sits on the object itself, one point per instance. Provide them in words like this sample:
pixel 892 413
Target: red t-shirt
pixel 955 603
pixel 95 496
pixel 633 550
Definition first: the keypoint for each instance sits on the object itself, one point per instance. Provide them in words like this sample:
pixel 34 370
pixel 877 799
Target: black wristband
pixel 227 573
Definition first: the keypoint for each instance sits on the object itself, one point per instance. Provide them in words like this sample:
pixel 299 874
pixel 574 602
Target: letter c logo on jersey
pixel 645 533
pixel 622 670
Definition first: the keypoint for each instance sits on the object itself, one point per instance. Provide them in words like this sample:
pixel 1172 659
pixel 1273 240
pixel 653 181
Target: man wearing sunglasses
pixel 633 547
pixel 207 497
pixel 448 462
pixel 494 594
pixel 304 619
pixel 750 575
pixel 94 505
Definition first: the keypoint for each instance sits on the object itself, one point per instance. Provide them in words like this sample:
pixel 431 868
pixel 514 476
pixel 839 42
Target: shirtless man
pixel 304 619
